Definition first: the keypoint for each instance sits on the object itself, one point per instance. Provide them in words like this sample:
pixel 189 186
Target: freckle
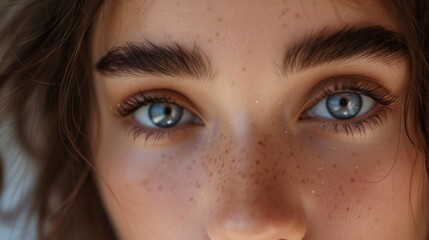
pixel 145 182
pixel 160 188
pixel 274 177
pixel 348 209
pixel 258 162
pixel 352 180
pixel 217 34
pixel 219 19
pixel 284 25
pixel 298 167
pixel 297 15
pixel 210 40
pixel 210 174
pixel 189 168
pixel 233 160
pixel 191 199
pixel 303 181
pixel 266 170
pixel 249 52
pixel 243 69
pixel 334 165
pixel 329 217
pixel 209 9
pixel 291 154
pixel 198 185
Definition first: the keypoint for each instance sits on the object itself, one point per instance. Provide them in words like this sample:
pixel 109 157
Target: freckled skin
pixel 253 171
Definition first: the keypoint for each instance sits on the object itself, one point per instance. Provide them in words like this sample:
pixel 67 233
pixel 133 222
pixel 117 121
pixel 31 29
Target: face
pixel 253 120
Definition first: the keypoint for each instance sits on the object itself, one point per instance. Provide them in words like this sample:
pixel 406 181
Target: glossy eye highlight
pixel 342 106
pixel 162 115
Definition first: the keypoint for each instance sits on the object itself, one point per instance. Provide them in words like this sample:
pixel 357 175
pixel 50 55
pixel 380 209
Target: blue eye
pixel 162 115
pixel 343 106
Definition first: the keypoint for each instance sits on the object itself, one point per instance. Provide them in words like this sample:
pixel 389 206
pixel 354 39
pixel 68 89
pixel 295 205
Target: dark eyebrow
pixel 147 58
pixel 324 47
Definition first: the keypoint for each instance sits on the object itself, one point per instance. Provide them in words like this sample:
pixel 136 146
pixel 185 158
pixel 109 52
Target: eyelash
pixel 348 84
pixel 377 92
pixel 141 99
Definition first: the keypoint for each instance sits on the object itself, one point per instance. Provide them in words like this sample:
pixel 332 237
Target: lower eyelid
pixel 158 136
pixel 371 120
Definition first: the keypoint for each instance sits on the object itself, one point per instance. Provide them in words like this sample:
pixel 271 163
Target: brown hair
pixel 46 91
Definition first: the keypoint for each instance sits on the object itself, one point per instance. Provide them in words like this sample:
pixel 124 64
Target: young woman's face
pixel 253 120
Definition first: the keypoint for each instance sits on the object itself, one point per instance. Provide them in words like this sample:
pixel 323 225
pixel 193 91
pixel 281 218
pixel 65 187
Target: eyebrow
pixel 150 59
pixel 325 47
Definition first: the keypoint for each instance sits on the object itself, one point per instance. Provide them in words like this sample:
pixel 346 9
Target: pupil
pixel 168 110
pixel 343 102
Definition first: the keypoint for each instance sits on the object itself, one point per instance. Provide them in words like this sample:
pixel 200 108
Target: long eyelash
pixel 129 105
pixel 359 126
pixel 351 127
pixel 153 135
pixel 377 92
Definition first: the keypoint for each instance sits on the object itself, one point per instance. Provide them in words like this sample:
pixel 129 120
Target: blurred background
pixel 15 223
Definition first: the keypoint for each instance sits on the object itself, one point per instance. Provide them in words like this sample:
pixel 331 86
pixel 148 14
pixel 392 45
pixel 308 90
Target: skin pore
pixel 253 158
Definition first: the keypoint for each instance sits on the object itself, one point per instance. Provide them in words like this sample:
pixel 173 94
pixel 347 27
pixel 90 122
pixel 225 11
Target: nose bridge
pixel 253 200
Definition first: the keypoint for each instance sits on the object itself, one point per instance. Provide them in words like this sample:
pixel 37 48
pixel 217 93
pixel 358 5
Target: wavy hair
pixel 46 91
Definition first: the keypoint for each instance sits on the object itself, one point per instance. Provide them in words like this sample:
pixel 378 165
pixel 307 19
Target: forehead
pixel 229 27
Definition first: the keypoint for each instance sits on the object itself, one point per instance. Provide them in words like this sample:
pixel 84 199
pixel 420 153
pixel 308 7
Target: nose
pixel 255 222
pixel 255 203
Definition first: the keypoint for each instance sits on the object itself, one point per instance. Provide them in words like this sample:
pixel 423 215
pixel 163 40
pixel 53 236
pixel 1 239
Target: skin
pixel 254 170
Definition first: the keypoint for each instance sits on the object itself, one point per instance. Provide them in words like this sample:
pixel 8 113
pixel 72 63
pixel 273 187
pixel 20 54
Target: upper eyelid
pixel 166 95
pixel 348 79
pixel 315 95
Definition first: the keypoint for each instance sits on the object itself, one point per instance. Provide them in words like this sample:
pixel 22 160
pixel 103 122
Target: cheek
pixel 362 188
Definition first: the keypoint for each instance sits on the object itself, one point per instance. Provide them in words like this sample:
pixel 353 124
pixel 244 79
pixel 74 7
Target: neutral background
pixel 19 177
